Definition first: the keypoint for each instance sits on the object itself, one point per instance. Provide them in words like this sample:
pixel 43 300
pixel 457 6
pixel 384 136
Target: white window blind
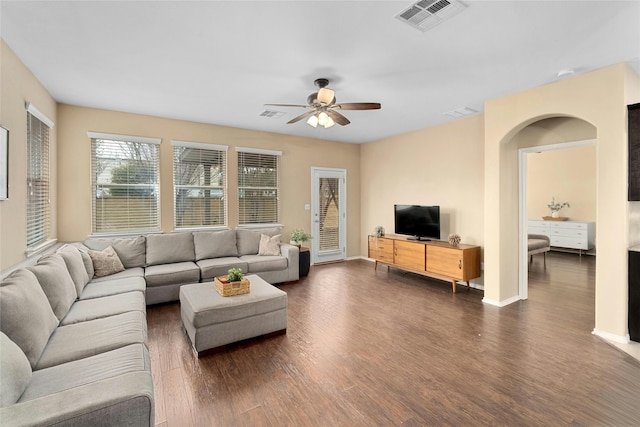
pixel 199 184
pixel 258 187
pixel 125 184
pixel 38 212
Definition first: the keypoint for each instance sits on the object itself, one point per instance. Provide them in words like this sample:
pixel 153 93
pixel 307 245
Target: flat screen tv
pixel 418 222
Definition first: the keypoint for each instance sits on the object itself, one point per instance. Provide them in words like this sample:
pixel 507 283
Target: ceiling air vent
pixel 461 112
pixel 271 114
pixel 426 14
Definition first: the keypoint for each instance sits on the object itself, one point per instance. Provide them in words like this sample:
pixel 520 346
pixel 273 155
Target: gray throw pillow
pixel 56 282
pixel 25 314
pixel 131 251
pixel 269 245
pixel 106 262
pixel 248 241
pixel 75 264
pixel 215 244
pixel 16 371
pixel 170 248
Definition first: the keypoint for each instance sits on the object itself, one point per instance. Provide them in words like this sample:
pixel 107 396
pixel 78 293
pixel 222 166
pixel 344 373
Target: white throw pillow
pixel 269 245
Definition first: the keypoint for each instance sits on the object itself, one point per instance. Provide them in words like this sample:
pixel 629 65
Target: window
pixel 199 184
pixel 38 212
pixel 258 186
pixel 125 184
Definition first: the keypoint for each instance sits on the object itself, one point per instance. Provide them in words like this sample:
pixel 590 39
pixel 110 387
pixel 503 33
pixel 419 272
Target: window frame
pixel 241 153
pixel 153 145
pixel 222 152
pixel 38 209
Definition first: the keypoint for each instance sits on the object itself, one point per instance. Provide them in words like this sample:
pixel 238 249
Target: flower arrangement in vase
pixel 555 207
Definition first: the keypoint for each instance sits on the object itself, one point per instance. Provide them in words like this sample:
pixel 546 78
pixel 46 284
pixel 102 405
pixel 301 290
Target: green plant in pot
pixel 298 236
pixel 234 275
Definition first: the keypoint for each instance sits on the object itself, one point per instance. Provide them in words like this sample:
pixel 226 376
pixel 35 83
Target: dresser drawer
pixel 566 225
pixel 569 242
pixel 569 232
pixel 538 229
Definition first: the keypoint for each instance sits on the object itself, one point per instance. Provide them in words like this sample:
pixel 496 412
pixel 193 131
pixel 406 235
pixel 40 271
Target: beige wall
pixel 17 86
pixel 299 155
pixel 568 174
pixel 598 98
pixel 441 165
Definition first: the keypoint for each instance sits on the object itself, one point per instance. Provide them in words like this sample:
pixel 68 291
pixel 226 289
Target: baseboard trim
pixel 502 303
pixel 621 339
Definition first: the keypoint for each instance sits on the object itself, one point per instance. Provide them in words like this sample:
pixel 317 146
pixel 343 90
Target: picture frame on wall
pixel 4 163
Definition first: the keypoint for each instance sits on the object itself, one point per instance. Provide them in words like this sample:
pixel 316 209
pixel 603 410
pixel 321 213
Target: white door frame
pixel 317 172
pixel 523 264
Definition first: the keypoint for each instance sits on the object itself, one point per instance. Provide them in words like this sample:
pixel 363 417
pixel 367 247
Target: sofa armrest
pixel 122 400
pixel 292 253
pixel 539 237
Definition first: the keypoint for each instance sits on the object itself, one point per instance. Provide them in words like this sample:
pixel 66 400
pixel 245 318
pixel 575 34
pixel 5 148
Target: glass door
pixel 329 215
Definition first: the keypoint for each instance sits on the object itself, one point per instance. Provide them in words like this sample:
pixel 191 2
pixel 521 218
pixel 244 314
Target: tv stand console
pixel 435 259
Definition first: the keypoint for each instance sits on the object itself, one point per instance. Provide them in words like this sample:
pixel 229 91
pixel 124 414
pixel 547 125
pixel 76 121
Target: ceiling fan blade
pixel 359 106
pixel 288 105
pixel 338 118
pixel 325 96
pixel 301 116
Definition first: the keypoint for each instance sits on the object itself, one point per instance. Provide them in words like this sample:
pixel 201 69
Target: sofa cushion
pixel 106 262
pixel 248 241
pixel 210 268
pixel 56 282
pixel 215 244
pixel 131 250
pixel 25 314
pixel 103 288
pixel 84 251
pixel 124 274
pixel 75 264
pixel 77 373
pixel 168 248
pixel 171 274
pixel 260 263
pixel 96 308
pixel 85 339
pixel 15 369
pixel 269 245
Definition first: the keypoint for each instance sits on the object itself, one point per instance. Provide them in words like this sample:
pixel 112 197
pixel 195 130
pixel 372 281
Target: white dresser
pixel 566 234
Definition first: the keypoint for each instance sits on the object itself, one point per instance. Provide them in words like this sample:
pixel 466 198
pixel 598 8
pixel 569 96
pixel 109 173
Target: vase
pixel 555 214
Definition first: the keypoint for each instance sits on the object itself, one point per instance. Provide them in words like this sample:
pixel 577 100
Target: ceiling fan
pixel 322 107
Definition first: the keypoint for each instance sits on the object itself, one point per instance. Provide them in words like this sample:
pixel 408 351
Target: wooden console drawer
pixel 381 249
pixel 460 264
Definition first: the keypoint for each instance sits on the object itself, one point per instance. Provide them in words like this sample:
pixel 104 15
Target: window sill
pixel 40 248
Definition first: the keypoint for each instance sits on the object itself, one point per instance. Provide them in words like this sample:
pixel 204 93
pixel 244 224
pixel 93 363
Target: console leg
pixel 453 285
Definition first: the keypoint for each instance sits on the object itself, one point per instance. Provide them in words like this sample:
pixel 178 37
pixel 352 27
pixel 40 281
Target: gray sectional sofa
pixel 72 340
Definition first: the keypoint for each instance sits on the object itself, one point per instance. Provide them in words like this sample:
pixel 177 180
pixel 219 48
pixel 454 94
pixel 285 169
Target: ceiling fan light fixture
pixel 329 123
pixel 323 118
pixel 313 121
pixel 325 96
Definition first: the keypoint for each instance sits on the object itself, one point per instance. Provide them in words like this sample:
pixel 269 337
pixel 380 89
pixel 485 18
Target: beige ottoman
pixel 213 321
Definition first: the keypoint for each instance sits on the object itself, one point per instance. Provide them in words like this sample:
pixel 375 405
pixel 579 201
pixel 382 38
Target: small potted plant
pixel 378 231
pixel 298 236
pixel 234 275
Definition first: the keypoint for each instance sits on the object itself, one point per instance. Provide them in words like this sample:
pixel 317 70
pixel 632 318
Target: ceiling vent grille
pixel 271 114
pixel 461 112
pixel 426 14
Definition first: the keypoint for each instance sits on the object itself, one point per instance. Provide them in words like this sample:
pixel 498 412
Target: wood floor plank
pixel 377 347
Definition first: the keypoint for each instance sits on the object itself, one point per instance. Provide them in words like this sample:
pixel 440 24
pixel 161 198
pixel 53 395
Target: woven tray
pixel 550 218
pixel 227 289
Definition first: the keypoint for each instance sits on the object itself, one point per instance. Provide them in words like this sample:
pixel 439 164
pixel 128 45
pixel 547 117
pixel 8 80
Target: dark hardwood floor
pixel 367 348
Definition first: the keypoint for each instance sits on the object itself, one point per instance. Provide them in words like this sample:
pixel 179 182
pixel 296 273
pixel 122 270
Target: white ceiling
pixel 220 61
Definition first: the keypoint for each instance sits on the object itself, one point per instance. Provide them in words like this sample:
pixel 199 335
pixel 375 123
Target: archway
pixel 599 99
